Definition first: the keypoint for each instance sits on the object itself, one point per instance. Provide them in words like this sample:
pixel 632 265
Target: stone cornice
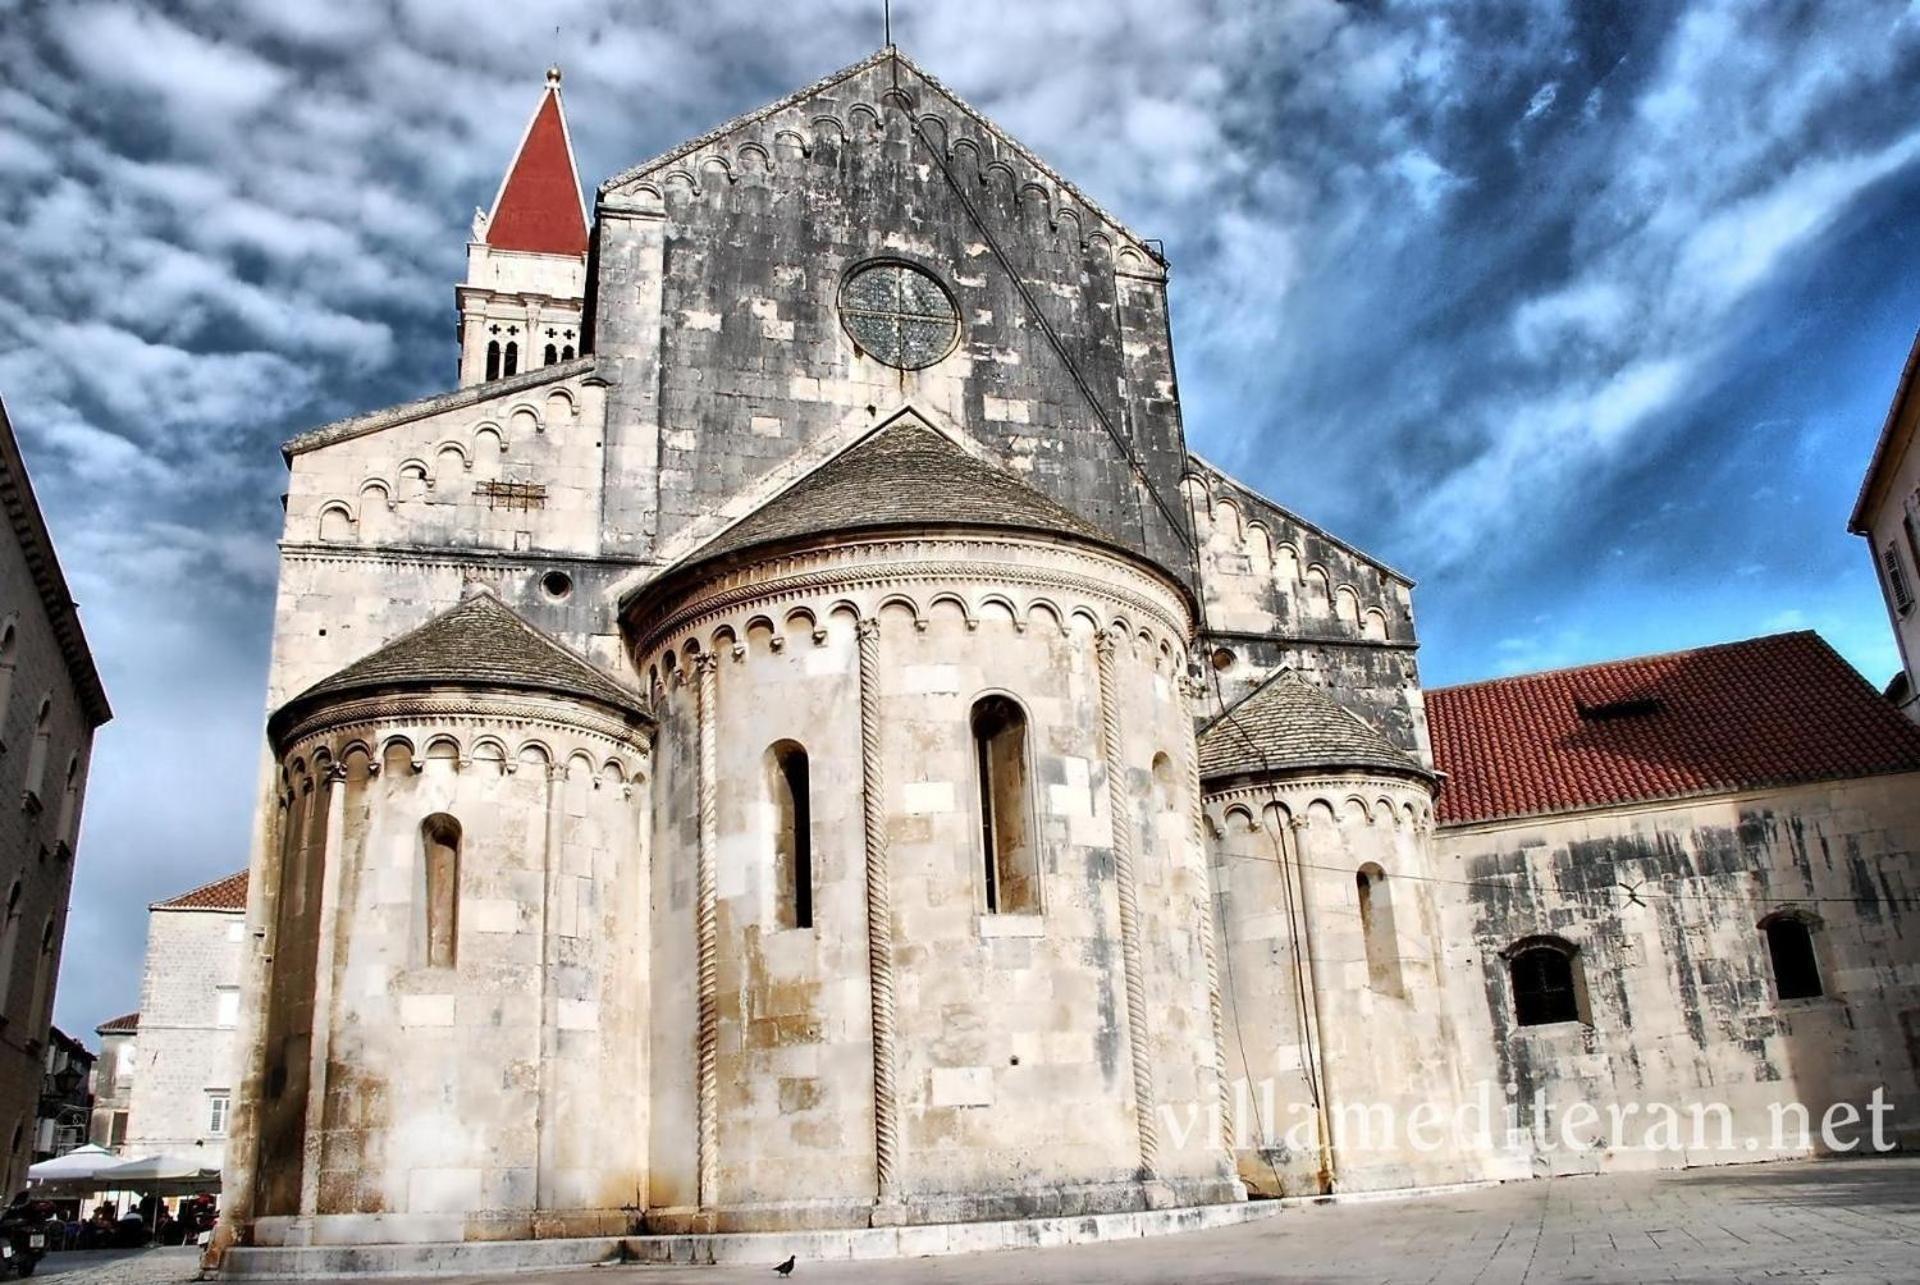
pixel 852 565
pixel 492 708
pixel 29 528
pixel 342 430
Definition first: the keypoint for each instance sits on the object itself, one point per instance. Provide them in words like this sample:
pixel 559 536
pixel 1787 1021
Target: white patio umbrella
pixel 162 1175
pixel 74 1174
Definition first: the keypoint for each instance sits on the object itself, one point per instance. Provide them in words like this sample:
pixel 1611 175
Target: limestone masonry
pixel 797 741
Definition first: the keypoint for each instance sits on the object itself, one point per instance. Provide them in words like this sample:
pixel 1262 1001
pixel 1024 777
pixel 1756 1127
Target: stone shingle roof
pixel 229 893
pixel 1287 724
pixel 480 643
pixel 1740 716
pixel 904 475
pixel 115 1025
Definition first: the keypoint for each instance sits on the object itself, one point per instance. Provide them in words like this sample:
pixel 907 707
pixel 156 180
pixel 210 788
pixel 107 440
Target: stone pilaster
pixel 1308 902
pixel 706 924
pixel 322 1026
pixel 1120 812
pixel 1209 945
pixel 886 1128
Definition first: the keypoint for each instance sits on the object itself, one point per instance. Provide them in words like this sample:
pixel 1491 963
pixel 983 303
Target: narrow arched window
pixel 553 355
pixel 8 646
pixel 38 1016
pixel 440 835
pixel 493 359
pixel 1006 824
pixel 512 363
pixel 566 354
pixel 37 753
pixel 9 939
pixel 1796 973
pixel 1376 928
pixel 68 832
pixel 1546 982
pixel 789 780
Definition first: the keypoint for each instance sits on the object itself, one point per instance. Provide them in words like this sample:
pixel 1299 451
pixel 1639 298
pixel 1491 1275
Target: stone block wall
pixel 1021 1068
pixel 186 1052
pixel 1663 904
pixel 43 773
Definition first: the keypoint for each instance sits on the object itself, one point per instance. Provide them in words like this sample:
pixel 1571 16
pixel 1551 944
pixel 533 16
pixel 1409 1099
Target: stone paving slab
pixel 1837 1222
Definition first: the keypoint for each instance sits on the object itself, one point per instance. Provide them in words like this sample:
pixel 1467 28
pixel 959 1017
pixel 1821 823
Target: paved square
pixel 1840 1222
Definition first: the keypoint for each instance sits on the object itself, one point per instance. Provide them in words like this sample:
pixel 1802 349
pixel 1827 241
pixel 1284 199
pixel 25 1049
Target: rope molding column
pixel 1120 813
pixel 886 1127
pixel 1209 945
pixel 706 922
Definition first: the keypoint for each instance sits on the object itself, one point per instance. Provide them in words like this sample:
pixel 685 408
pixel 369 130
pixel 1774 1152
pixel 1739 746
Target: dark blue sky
pixel 1584 315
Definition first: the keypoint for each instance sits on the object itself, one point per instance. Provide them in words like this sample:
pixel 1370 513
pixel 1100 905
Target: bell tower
pixel 527 260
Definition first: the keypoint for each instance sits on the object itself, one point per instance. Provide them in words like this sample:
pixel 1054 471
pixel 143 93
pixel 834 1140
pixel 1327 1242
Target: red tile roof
pixel 1740 716
pixel 229 893
pixel 114 1025
pixel 538 208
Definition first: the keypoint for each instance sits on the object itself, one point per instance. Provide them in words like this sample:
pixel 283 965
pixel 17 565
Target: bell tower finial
pixel 553 76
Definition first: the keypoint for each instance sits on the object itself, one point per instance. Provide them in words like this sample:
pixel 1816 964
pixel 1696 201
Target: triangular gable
pixel 539 208
pixel 943 115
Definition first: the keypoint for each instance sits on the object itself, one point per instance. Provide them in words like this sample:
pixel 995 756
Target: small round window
pixel 899 314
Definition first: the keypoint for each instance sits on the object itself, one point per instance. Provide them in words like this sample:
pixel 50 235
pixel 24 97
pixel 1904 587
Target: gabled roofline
pixel 341 430
pixel 176 901
pixel 1413 766
pixel 933 82
pixel 43 563
pixel 1332 539
pixel 741 121
pixel 1883 449
pixel 573 166
pixel 1501 680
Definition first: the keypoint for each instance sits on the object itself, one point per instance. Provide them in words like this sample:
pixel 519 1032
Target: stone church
pixel 796 740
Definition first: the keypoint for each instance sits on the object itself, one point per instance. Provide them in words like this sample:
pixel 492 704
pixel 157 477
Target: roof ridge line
pixel 752 116
pixel 1630 660
pixel 1308 523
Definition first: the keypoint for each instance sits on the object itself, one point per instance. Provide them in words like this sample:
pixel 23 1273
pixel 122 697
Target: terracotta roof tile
pixel 114 1025
pixel 229 893
pixel 1287 724
pixel 1740 716
pixel 538 209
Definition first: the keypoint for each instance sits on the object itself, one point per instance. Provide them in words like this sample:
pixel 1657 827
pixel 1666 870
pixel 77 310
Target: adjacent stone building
pixel 1685 882
pixel 826 754
pixel 180 1097
pixel 51 701
pixel 1887 514
pixel 113 1074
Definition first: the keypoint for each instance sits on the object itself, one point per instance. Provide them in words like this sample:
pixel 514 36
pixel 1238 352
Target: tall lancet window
pixel 493 359
pixel 790 780
pixel 1008 851
pixel 1376 927
pixel 440 835
pixel 512 364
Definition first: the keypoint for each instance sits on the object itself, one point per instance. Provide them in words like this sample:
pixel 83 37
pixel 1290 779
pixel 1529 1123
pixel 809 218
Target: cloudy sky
pixel 1585 315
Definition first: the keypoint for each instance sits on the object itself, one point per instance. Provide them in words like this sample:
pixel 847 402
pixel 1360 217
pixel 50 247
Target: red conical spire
pixel 539 209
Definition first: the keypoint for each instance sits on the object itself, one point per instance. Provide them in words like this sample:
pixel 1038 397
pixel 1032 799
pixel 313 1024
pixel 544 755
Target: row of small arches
pixel 1057 209
pixel 484 752
pixel 342 520
pixel 774 632
pixel 1286 564
pixel 1353 809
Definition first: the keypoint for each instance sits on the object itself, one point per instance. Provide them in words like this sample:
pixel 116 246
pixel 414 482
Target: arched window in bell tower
pixel 511 366
pixel 553 355
pixel 493 359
